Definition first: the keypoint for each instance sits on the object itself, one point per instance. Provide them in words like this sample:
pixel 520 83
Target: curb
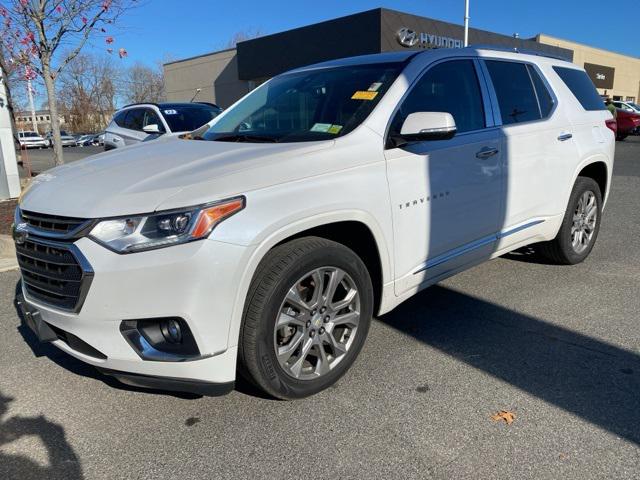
pixel 8 260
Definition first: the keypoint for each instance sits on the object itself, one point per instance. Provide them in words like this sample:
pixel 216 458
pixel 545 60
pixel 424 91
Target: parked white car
pixel 140 122
pixel 66 139
pixel 628 106
pixel 329 194
pixel 31 140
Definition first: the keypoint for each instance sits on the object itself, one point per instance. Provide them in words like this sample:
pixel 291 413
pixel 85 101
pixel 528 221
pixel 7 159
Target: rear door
pixel 537 144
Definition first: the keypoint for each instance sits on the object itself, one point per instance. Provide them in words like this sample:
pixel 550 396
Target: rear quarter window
pixel 582 88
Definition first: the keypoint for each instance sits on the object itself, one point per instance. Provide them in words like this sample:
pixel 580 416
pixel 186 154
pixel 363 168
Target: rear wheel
pixel 580 226
pixel 306 318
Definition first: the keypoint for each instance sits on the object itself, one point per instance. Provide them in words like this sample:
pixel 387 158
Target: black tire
pixel 560 249
pixel 279 270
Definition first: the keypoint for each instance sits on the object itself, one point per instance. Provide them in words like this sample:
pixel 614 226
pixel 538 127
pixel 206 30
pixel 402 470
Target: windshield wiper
pixel 241 137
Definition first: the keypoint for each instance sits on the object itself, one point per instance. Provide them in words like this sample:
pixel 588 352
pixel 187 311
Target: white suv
pixel 141 122
pixel 329 194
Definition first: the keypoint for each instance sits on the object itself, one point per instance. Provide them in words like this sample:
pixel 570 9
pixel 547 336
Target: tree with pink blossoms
pixel 39 38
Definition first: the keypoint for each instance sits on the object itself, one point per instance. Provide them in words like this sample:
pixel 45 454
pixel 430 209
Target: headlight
pixel 162 229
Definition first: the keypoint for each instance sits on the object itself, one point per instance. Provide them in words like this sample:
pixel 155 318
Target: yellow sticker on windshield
pixel 364 95
pixel 335 129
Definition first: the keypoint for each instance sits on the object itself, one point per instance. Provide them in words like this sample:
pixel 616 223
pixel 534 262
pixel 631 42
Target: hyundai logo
pixel 407 37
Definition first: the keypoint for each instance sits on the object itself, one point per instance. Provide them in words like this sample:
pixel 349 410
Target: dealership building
pixel 226 75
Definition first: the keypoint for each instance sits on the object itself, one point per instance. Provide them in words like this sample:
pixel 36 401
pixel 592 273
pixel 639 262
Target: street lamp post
pixel 466 23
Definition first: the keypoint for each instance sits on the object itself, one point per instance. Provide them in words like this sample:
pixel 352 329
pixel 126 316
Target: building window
pixel 631 99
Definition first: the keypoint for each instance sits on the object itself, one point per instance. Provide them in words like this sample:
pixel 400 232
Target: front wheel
pixel 306 317
pixel 580 226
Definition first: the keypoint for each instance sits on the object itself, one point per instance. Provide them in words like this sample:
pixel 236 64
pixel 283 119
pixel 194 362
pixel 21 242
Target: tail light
pixel 612 125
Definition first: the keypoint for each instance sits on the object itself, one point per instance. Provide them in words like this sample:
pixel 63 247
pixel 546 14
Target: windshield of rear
pixel 28 134
pixel 186 118
pixel 306 106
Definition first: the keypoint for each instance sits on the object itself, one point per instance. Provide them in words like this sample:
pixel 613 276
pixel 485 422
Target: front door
pixel 446 195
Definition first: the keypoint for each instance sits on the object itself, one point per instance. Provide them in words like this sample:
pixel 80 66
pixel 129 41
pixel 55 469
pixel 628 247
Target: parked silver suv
pixel 145 121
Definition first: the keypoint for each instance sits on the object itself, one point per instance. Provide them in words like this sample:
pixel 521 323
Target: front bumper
pixel 196 282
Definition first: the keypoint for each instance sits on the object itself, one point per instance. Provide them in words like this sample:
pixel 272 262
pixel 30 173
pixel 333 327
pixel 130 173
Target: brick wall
pixel 7 208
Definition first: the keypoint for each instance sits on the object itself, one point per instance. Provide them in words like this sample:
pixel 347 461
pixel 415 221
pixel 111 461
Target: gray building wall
pixel 216 74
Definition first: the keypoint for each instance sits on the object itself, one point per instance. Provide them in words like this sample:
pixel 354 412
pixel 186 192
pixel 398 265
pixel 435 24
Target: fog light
pixel 170 329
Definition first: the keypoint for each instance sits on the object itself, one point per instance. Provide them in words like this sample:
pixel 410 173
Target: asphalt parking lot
pixel 557 346
pixel 42 159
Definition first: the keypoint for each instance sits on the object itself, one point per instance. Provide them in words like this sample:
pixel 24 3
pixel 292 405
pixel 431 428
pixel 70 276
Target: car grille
pixel 52 223
pixel 53 274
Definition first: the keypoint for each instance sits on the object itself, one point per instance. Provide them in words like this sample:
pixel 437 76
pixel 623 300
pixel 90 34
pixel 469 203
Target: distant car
pixel 628 123
pixel 98 139
pixel 628 106
pixel 31 140
pixel 85 140
pixel 66 139
pixel 147 121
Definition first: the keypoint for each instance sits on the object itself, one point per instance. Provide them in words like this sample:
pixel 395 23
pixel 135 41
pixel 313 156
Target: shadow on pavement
pixel 63 463
pixel 587 377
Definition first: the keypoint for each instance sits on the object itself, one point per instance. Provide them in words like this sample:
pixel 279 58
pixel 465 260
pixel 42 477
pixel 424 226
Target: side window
pixel 544 97
pixel 582 87
pixel 516 97
pixel 119 118
pixel 134 119
pixel 448 87
pixel 152 118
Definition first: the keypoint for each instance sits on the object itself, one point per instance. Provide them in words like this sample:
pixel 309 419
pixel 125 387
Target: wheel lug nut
pixel 321 331
pixel 308 323
pixel 326 319
pixel 312 333
pixel 314 311
pixel 323 309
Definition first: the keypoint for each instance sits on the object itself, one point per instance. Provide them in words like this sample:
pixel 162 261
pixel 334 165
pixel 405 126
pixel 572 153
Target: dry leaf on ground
pixel 505 415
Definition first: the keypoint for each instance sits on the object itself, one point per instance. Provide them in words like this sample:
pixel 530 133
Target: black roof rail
pixel 209 104
pixel 524 51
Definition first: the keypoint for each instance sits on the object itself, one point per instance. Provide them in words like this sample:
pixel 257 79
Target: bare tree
pixel 87 91
pixel 35 32
pixel 143 84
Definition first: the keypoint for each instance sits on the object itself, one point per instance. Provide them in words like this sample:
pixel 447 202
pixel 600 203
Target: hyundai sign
pixel 410 38
pixel 601 76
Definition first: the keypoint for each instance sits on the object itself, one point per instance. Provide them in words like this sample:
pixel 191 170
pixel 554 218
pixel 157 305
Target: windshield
pixel 306 106
pixel 186 118
pixel 28 134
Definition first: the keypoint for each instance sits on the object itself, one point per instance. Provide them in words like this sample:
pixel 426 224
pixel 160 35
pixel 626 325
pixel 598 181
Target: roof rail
pixel 525 51
pixel 139 103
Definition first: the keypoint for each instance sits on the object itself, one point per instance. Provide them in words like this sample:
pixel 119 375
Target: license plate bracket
pixel 32 319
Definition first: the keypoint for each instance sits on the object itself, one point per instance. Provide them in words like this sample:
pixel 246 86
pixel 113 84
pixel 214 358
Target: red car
pixel 628 122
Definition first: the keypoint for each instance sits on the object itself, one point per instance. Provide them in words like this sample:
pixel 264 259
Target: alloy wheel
pixel 317 323
pixel 585 218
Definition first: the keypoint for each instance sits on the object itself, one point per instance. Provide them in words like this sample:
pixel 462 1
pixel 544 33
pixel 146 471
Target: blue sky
pixel 161 29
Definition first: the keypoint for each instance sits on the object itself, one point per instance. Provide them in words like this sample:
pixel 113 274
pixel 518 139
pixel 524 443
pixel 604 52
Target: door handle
pixel 486 152
pixel 565 136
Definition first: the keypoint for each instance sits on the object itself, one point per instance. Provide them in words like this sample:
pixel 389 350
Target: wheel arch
pixel 341 227
pixel 598 171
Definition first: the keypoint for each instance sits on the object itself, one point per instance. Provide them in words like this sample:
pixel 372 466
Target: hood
pixel 140 178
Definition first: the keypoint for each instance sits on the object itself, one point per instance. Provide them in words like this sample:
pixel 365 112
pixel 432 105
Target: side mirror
pixel 153 128
pixel 423 126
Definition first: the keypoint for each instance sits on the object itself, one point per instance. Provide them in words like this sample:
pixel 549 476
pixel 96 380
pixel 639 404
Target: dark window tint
pixel 544 97
pixel 516 97
pixel 582 88
pixel 134 119
pixel 448 87
pixel 186 118
pixel 119 118
pixel 151 118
